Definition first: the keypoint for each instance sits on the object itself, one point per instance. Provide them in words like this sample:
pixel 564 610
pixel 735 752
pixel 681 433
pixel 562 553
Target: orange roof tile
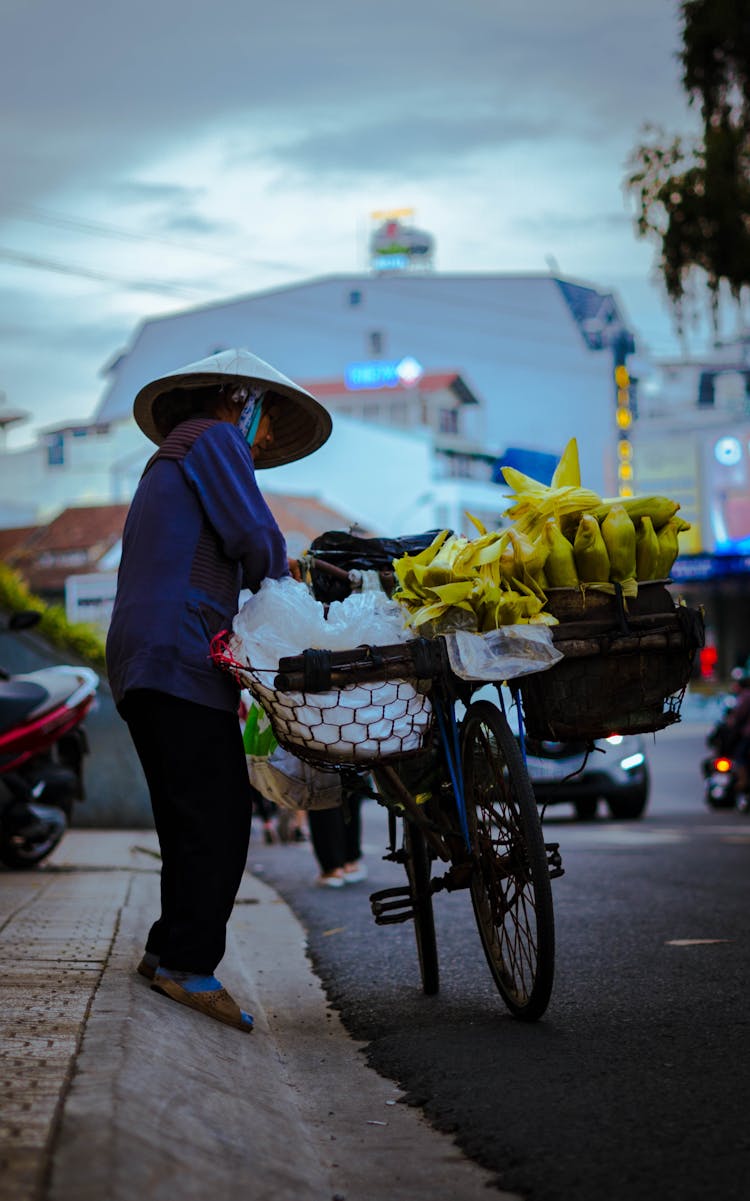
pixel 13 541
pixel 83 527
pixel 306 515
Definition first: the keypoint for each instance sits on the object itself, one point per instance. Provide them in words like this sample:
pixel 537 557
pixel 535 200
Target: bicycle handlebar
pixel 353 577
pixel 321 670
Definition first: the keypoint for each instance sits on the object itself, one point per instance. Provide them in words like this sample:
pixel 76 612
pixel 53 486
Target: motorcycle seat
pixel 18 700
pixel 58 683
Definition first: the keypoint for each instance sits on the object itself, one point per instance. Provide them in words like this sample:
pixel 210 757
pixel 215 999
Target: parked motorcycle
pixel 42 747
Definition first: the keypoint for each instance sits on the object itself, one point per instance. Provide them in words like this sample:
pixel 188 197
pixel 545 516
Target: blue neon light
pixel 377 374
pixel 372 375
pixel 390 262
pixel 709 567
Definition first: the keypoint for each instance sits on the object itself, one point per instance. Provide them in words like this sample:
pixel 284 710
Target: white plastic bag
pixel 283 618
pixel 292 784
pixel 365 619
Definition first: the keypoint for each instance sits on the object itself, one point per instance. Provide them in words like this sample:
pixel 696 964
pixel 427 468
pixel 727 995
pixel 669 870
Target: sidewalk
pixel 110 1092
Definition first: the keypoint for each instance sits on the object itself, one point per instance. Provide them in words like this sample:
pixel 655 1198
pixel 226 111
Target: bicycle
pixel 458 792
pixel 461 799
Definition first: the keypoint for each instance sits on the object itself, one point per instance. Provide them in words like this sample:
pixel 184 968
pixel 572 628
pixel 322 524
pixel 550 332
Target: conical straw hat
pixel 300 423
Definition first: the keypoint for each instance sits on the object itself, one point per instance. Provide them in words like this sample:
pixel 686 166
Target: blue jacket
pixel 197 532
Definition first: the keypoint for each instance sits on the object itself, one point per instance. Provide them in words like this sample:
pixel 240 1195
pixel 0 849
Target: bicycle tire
pixel 510 885
pixel 418 867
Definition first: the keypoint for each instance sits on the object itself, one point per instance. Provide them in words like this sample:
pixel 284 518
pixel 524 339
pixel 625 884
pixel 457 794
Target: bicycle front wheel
pixel 510 884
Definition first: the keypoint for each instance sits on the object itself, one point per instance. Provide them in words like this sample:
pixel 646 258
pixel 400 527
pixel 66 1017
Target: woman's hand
pixel 295 570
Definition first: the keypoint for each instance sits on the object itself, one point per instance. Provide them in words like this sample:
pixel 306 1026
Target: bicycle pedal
pixel 554 860
pixel 391 905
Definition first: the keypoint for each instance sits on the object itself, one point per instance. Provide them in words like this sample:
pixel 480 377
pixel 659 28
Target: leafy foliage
pixel 83 640
pixel 693 195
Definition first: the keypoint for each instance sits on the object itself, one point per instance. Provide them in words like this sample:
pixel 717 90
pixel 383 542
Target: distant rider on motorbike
pixel 737 732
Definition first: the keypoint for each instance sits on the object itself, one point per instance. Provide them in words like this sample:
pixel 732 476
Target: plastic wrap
pixel 503 654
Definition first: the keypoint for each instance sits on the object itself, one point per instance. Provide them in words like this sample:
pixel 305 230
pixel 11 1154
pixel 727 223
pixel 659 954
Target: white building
pixel 451 374
pixel 73 463
pixel 535 350
pixel 692 439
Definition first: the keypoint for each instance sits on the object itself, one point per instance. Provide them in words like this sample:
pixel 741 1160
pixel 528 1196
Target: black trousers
pixel 336 840
pixel 195 767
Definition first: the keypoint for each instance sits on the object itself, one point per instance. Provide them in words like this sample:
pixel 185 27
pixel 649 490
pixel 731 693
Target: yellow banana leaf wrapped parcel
pixel 475 584
pixel 560 535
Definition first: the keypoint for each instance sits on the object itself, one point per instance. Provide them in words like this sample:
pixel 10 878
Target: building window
pixel 397 411
pixel 371 412
pixel 376 341
pixel 55 450
pixel 355 299
pixel 448 421
pixel 706 390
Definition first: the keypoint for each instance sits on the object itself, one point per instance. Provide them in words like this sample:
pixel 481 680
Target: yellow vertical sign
pixel 624 420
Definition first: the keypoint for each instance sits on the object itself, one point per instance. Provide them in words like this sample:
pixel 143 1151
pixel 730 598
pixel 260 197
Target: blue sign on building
pixel 536 463
pixel 378 374
pixel 390 262
pixel 371 375
pixel 709 567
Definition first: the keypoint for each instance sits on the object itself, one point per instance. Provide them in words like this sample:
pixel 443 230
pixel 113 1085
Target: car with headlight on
pixel 614 771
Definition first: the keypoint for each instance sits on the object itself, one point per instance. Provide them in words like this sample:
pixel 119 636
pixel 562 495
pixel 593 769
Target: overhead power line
pixel 107 230
pixel 164 287
pixel 103 229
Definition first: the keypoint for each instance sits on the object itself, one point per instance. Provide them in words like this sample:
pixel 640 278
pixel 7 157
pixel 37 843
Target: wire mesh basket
pixel 358 723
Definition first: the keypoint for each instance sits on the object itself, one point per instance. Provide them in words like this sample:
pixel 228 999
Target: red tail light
pixel 722 764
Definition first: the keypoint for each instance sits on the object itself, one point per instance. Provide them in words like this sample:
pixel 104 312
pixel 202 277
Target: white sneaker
pixel 356 874
pixel 330 882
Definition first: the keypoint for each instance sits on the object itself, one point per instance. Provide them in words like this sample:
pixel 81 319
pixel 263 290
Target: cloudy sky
pixel 161 154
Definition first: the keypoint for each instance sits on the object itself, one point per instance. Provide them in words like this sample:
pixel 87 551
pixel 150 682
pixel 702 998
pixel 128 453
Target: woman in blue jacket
pixel 199 531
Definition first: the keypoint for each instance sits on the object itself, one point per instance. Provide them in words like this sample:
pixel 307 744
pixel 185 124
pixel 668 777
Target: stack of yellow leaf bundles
pixel 478 584
pixel 596 543
pixel 562 536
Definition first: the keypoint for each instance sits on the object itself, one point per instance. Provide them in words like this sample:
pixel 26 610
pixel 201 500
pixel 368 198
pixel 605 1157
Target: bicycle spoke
pixel 510 886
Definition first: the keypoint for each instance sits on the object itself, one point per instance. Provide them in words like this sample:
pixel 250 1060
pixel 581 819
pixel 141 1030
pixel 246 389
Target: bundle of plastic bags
pixel 284 618
pixel 356 723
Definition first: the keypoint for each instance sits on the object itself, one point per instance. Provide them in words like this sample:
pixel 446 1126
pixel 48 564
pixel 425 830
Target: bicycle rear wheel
pixel 418 865
pixel 510 885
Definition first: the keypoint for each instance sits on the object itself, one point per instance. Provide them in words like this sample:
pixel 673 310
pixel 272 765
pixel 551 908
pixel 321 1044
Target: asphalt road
pixel 635 1083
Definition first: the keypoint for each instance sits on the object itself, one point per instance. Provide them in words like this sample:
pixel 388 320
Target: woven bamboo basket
pixel 623 673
